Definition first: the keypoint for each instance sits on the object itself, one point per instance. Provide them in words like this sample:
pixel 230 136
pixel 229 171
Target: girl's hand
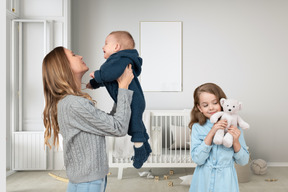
pixel 235 132
pixel 125 79
pixel 222 124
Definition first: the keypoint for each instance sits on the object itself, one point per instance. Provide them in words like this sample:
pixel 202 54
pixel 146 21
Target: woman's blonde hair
pixel 58 81
pixel 196 115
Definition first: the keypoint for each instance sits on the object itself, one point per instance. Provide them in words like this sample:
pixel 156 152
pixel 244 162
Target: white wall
pixel 10 15
pixel 239 45
pixel 57 13
pixel 3 96
pixel 8 98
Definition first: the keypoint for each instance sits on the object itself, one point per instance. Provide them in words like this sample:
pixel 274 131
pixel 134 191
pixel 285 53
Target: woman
pixel 72 113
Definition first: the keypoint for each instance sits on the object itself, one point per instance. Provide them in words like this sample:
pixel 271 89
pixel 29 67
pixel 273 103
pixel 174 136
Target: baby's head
pixel 117 41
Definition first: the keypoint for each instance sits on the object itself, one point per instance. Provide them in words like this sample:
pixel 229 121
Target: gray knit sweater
pixel 84 128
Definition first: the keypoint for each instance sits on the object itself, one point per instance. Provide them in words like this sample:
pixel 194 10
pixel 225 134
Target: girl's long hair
pixel 196 115
pixel 58 82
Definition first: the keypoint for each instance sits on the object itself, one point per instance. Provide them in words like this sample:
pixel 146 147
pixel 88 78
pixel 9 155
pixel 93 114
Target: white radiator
pixel 29 151
pixel 169 140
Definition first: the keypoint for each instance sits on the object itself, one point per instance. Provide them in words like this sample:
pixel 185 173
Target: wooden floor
pixel 40 181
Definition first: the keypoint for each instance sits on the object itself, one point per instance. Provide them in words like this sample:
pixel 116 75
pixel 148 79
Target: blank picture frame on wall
pixel 161 51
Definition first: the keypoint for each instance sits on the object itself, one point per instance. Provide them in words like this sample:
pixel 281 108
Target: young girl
pixel 215 163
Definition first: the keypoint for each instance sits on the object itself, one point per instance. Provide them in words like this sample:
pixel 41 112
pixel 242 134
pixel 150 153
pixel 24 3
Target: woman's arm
pixel 123 82
pixel 83 115
pixel 93 120
pixel 125 79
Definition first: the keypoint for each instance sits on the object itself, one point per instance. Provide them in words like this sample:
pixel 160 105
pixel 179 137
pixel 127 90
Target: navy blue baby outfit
pixel 107 76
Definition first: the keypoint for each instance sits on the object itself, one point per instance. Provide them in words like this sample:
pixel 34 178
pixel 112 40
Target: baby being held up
pixel 119 52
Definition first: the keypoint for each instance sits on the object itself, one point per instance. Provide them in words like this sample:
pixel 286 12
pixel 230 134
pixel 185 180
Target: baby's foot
pixel 139 156
pixel 148 149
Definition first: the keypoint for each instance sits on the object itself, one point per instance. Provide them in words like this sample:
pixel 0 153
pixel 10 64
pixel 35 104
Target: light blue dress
pixel 215 171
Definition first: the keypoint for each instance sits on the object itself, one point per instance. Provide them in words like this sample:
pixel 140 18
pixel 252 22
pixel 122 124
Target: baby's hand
pixel 91 75
pixel 88 86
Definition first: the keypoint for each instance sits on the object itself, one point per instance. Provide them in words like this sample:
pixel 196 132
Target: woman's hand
pixel 125 79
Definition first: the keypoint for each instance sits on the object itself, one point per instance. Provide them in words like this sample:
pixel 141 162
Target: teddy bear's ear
pixel 240 105
pixel 222 100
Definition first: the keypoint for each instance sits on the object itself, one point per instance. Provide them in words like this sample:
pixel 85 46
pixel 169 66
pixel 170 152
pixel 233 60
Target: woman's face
pixel 208 104
pixel 77 65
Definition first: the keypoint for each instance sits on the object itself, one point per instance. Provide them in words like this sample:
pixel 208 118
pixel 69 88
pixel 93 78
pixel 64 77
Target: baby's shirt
pixel 107 76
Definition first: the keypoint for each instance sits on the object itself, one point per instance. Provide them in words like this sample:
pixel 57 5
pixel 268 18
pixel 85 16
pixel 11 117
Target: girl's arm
pixel 201 143
pixel 199 149
pixel 218 125
pixel 241 154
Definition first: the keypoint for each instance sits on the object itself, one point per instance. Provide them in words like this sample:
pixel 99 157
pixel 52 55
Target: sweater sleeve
pixel 111 70
pixel 113 110
pixel 86 117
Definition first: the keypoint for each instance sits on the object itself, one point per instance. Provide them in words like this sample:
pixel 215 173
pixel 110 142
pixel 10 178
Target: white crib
pixel 169 140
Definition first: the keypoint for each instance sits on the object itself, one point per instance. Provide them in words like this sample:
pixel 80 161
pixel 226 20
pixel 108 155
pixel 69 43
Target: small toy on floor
pixel 271 180
pixel 147 174
pixel 259 167
pixel 59 177
pixel 156 178
pixel 186 180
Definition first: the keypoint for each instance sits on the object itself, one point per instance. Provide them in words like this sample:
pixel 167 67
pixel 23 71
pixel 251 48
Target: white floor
pixel 40 181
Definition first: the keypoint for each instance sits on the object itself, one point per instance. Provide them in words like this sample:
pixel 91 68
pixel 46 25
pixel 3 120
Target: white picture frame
pixel 161 51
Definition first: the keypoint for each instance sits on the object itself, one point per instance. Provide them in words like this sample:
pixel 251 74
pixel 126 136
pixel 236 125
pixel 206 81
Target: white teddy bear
pixel 229 113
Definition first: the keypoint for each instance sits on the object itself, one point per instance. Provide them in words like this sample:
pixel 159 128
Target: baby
pixel 119 52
